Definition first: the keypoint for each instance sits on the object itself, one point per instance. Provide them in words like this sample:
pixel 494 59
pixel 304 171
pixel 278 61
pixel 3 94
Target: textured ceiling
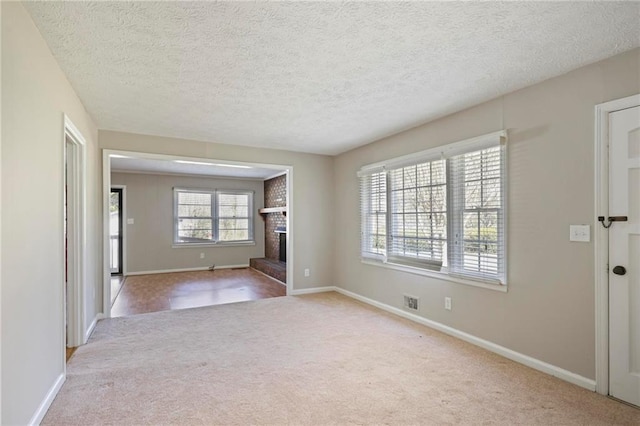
pixel 315 77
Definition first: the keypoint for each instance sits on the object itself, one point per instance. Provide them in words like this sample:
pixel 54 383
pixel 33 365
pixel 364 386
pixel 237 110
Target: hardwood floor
pixel 179 290
pixel 116 285
pixel 69 352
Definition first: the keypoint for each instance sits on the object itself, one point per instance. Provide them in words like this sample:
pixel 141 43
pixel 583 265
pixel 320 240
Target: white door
pixel 624 255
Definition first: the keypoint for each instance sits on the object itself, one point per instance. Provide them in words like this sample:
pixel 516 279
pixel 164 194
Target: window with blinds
pixel 234 216
pixel 373 205
pixel 194 217
pixel 418 223
pixel 442 209
pixel 211 217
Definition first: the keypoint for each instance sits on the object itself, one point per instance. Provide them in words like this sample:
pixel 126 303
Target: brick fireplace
pixel 275 244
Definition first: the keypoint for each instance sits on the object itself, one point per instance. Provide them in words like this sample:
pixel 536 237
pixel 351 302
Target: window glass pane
pixel 424 174
pixel 233 199
pixel 194 198
pixel 410 177
pixel 396 178
pixel 439 198
pixel 397 201
pixel 472 194
pixel 226 224
pixel 234 235
pixel 438 172
pixel 192 230
pixel 233 211
pixel 194 210
pixel 491 193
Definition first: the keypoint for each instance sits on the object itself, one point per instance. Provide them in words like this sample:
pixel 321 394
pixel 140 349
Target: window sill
pixel 438 275
pixel 217 244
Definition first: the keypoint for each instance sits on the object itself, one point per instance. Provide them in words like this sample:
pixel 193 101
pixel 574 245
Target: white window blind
pixel 373 207
pixel 477 188
pixel 418 225
pixel 442 209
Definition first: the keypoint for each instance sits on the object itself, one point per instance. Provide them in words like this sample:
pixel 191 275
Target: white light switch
pixel 130 221
pixel 580 233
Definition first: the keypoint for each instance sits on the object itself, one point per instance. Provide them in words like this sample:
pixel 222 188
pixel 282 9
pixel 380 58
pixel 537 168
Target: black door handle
pixel 619 270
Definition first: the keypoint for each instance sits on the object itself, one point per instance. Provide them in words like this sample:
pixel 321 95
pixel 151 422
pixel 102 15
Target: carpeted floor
pixel 316 359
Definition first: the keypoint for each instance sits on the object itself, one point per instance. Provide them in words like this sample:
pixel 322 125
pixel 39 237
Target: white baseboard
pixel 37 417
pixel 200 268
pixel 92 327
pixel 313 290
pixel 534 363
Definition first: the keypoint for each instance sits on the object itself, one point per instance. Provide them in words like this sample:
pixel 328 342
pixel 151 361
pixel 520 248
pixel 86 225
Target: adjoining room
pixel 187 233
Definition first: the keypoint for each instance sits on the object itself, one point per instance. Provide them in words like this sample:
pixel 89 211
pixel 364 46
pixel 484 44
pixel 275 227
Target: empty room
pixel 445 197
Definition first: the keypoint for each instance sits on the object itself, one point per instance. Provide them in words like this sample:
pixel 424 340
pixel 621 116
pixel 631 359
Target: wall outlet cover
pixel 580 233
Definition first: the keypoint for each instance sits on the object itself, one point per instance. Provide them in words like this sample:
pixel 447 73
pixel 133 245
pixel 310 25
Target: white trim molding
pixel 47 401
pixel 518 357
pixel 92 327
pixel 75 243
pixel 199 268
pixel 313 290
pixel 601 236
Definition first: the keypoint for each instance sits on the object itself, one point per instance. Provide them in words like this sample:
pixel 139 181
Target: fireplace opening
pixel 283 247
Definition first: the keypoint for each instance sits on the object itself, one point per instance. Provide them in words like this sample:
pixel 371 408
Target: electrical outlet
pixel 411 302
pixel 201 255
pixel 447 303
pixel 307 272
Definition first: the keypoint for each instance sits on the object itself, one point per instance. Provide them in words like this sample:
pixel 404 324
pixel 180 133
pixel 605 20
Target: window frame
pixel 448 152
pixel 249 218
pixel 215 218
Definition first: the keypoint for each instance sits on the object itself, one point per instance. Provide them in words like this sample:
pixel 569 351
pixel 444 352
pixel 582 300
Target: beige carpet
pixel 317 359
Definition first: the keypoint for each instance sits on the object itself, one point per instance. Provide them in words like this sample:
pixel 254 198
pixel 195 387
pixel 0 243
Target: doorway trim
pixel 106 187
pixel 601 236
pixel 75 248
pixel 123 225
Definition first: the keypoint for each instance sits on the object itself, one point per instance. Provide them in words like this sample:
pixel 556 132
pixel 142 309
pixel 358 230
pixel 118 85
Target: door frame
pixel 601 235
pixel 106 186
pixel 74 250
pixel 123 227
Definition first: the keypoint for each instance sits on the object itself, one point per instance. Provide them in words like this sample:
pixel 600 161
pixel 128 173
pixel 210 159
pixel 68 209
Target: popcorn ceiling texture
pixel 315 77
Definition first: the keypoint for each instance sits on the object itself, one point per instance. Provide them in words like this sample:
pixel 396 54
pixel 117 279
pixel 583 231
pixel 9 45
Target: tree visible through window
pixel 205 217
pixel 233 216
pixel 443 210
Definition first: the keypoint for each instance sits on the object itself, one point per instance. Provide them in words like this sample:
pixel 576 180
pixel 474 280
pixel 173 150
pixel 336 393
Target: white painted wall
pixel 35 94
pixel 548 312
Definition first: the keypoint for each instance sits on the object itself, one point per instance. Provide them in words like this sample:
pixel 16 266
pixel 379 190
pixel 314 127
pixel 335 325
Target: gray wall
pixel 149 201
pixel 548 312
pixel 35 94
pixel 312 193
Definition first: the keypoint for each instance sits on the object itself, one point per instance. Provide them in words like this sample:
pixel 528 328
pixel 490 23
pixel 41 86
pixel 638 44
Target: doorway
pixel 115 231
pixel 618 249
pixel 74 238
pixel 126 163
pixel 116 239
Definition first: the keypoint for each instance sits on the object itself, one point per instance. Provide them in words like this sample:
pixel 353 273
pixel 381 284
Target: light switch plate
pixel 130 221
pixel 580 233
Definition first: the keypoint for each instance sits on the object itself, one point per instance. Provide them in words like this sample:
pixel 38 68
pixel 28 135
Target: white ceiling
pixel 315 77
pixel 171 167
